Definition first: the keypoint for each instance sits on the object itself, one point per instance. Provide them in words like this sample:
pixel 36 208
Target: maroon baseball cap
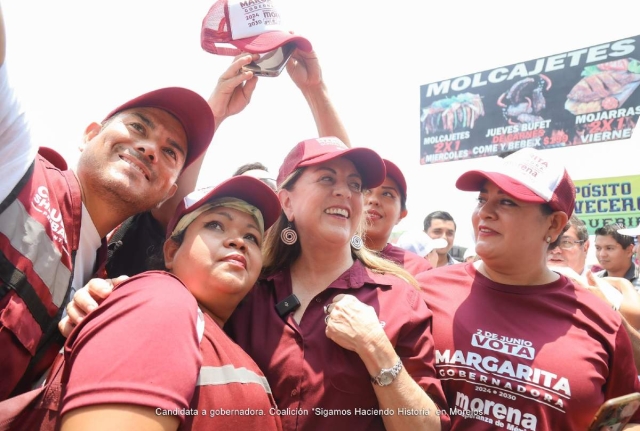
pixel 235 26
pixel 394 172
pixel 528 175
pixel 318 150
pixel 249 189
pixel 191 110
pixel 53 157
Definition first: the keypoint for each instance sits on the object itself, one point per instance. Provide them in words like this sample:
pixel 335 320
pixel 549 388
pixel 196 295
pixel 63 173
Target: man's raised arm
pixel 2 38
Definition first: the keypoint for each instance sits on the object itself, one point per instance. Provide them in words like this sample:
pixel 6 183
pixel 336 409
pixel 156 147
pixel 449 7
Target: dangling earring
pixel 356 242
pixel 548 240
pixel 289 235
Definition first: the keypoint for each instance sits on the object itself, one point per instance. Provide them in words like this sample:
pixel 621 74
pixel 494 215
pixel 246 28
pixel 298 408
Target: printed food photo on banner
pixel 604 86
pixel 452 114
pixel 599 101
pixel 525 100
pixel 578 97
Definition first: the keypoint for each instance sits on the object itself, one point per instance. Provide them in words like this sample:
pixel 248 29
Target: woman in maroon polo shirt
pixel 342 336
pixel 153 355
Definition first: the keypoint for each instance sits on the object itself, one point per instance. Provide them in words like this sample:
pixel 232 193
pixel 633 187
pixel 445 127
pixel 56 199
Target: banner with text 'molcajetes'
pixel 579 97
pixel 601 201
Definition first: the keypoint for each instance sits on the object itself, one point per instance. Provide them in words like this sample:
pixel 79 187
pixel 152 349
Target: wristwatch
pixel 387 375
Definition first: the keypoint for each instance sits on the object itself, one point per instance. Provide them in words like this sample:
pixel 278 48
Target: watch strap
pixel 393 371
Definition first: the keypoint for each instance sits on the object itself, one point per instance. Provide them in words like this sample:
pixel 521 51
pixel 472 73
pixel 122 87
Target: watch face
pixel 385 378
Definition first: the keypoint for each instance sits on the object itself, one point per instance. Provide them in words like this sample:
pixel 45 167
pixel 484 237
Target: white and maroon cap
pixel 529 176
pixel 235 26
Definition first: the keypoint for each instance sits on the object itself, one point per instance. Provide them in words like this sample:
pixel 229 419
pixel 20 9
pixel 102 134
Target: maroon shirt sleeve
pixel 139 347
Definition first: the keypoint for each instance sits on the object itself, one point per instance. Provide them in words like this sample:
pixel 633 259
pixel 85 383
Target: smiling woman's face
pixel 325 202
pixel 383 210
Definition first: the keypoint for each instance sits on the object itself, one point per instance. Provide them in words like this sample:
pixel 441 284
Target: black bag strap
pixel 115 240
pixel 13 195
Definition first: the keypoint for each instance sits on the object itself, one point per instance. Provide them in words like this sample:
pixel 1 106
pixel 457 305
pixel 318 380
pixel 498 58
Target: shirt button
pixel 294 392
pixel 318 299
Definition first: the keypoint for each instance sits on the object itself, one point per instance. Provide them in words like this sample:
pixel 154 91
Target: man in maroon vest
pixel 53 220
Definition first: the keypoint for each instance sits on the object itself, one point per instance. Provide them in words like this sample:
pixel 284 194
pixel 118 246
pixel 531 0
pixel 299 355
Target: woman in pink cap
pixel 385 207
pixel 153 355
pixel 341 334
pixel 519 346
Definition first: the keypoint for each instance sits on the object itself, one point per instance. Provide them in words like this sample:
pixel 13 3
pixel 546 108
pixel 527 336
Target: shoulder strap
pixel 115 239
pixel 53 386
pixel 16 190
pixel 73 232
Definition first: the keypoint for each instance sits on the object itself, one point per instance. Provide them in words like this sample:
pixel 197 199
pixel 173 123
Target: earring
pixel 289 235
pixel 548 240
pixel 356 242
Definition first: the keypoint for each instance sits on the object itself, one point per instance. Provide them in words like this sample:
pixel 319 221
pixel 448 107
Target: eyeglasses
pixel 567 244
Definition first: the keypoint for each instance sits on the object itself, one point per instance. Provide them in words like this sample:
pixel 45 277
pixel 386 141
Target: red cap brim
pixel 396 175
pixel 53 157
pixel 473 181
pixel 191 110
pixel 367 162
pixel 249 189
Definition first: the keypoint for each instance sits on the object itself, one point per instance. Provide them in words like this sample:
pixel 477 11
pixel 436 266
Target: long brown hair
pixel 277 255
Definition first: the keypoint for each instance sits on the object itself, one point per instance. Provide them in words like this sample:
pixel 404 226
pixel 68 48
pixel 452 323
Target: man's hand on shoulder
pixel 86 300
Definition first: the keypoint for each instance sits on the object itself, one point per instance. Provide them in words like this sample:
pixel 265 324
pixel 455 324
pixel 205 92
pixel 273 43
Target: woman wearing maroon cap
pixel 519 346
pixel 385 207
pixel 342 336
pixel 153 355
